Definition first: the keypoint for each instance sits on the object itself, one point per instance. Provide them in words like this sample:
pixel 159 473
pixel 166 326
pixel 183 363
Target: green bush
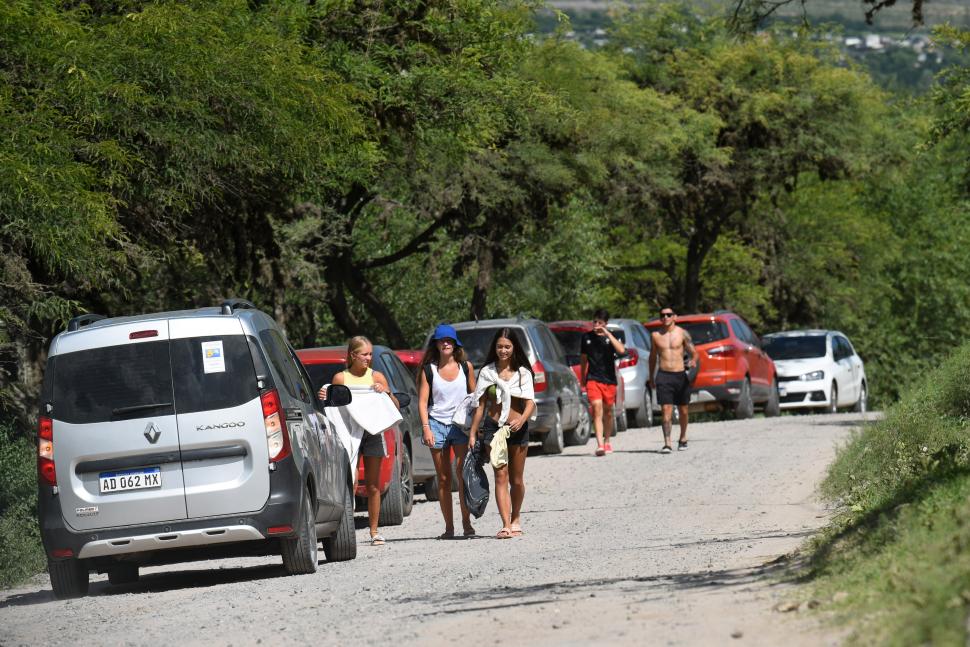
pixel 897 559
pixel 21 554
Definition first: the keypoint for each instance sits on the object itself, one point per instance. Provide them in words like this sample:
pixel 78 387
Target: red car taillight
pixel 727 350
pixel 631 359
pixel 540 376
pixel 277 438
pixel 45 451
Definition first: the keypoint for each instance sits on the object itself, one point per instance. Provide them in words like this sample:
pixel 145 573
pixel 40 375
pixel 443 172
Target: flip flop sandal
pixel 516 532
pixel 377 540
pixel 446 535
pixel 469 533
pixel 504 533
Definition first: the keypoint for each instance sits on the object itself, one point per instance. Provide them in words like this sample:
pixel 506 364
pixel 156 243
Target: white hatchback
pixel 817 369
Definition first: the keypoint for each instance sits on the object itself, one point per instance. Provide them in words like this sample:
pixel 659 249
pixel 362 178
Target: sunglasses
pixel 666 314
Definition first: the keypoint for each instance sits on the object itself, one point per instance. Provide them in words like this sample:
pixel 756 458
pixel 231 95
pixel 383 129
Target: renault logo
pixel 152 433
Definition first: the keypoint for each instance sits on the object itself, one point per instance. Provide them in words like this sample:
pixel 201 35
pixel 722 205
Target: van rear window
pixel 112 383
pixel 136 380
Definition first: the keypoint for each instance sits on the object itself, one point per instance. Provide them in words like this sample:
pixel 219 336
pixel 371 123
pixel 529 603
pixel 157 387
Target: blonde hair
pixel 354 345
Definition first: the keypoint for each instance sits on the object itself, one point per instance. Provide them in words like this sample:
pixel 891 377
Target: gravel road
pixel 632 548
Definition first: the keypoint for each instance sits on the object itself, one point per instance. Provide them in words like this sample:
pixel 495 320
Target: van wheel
pixel 392 501
pixel 580 434
pixel 773 405
pixel 554 441
pixel 744 409
pixel 407 482
pixel 300 552
pixel 862 404
pixel 69 578
pixel 123 573
pixel 643 416
pixel 343 544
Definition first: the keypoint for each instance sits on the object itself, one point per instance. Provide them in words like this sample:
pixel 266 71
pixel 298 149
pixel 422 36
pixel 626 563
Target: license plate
pixel 139 479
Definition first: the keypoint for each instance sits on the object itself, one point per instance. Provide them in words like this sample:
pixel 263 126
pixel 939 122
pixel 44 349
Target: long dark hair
pixel 431 354
pixel 519 358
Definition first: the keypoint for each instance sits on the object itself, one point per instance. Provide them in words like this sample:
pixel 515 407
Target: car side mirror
pixel 403 399
pixel 338 395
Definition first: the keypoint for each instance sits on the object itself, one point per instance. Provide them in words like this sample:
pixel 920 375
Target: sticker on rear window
pixel 213 359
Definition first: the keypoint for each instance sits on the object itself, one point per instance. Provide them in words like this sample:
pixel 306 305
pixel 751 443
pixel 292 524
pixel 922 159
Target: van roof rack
pixel 80 321
pixel 229 305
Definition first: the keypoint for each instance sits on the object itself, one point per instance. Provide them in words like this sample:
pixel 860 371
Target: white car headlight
pixel 811 377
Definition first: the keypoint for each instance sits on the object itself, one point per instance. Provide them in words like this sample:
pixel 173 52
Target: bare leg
pixel 607 416
pixel 668 422
pixel 372 480
pixel 461 451
pixel 682 410
pixel 597 407
pixel 517 455
pixel 503 498
pixel 442 466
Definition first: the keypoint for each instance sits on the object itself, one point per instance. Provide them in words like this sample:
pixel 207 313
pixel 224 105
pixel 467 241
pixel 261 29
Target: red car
pixel 569 334
pixel 734 374
pixel 397 491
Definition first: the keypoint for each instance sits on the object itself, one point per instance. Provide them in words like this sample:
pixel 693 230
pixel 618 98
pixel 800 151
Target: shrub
pixel 21 554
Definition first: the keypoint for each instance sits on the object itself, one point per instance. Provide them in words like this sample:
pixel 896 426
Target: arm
pixel 689 345
pixel 476 421
pixel 652 361
pixel 337 379
pixel 516 420
pixel 618 346
pixel 381 386
pixel 583 366
pixel 472 381
pixel 424 390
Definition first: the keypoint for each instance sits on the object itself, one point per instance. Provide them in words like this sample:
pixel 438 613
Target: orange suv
pixel 734 374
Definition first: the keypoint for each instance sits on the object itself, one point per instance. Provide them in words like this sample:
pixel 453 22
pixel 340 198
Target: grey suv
pixel 559 402
pixel 185 435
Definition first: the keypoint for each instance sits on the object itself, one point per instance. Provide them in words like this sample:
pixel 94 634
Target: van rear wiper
pixel 139 407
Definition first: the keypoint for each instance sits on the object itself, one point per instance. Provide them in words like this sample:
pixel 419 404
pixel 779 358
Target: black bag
pixel 474 480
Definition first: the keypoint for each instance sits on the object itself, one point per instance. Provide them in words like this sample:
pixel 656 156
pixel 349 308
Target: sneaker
pixel 681 445
pixel 666 449
pixel 609 448
pixel 601 451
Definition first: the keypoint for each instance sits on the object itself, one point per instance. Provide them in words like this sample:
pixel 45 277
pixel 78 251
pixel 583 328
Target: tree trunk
pixel 486 259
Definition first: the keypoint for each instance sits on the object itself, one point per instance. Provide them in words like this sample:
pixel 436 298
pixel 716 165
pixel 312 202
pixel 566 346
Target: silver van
pixel 187 435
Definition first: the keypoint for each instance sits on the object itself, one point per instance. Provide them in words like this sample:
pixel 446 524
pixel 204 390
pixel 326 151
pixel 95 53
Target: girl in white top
pixel 507 397
pixel 445 379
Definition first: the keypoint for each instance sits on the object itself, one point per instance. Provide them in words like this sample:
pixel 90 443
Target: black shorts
pixel 489 427
pixel 373 445
pixel 673 387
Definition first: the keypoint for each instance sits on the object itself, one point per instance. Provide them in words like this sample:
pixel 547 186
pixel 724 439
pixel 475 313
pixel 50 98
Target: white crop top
pixel 446 395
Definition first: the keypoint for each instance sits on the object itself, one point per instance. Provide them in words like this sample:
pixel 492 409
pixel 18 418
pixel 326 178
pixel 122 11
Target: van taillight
pixel 540 376
pixel 45 451
pixel 631 359
pixel 277 439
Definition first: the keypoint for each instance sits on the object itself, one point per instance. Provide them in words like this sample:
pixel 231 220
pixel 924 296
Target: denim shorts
pixel 447 434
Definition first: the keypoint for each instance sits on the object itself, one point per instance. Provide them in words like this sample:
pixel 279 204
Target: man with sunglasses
pixel 671 381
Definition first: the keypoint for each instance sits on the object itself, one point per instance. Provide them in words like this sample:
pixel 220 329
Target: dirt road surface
pixel 635 548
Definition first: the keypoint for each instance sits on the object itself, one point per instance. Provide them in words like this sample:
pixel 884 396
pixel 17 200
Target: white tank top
pixel 447 395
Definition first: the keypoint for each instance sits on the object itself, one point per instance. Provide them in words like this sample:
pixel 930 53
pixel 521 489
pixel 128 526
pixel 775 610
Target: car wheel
pixel 833 400
pixel 343 544
pixel 643 416
pixel 407 482
pixel 431 489
pixel 392 501
pixel 69 578
pixel 773 405
pixel 300 552
pixel 580 434
pixel 123 573
pixel 619 420
pixel 862 404
pixel 745 407
pixel 553 442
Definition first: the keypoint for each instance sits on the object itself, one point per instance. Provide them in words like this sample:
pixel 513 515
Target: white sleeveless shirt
pixel 447 395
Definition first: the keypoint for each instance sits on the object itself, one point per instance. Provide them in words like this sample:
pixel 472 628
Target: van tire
pixel 554 441
pixel 579 435
pixel 407 482
pixel 300 552
pixel 123 573
pixel 392 501
pixel 69 578
pixel 342 546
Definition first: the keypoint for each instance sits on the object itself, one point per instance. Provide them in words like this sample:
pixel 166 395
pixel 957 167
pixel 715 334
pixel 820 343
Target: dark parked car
pixel 559 401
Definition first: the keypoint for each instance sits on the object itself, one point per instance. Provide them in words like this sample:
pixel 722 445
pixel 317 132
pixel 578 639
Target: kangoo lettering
pixel 224 425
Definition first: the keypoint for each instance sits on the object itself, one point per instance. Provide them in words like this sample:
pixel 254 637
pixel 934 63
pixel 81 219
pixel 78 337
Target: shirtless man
pixel 671 382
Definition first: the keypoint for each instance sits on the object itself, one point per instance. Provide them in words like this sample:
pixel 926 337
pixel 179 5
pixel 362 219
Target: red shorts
pixel 599 391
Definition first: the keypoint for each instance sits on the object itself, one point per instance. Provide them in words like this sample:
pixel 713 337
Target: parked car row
pixel 195 434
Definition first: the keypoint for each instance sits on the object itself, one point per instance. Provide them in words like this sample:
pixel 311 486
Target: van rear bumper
pixel 282 508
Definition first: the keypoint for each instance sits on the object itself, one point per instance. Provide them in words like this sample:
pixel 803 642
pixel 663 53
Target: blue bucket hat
pixel 444 331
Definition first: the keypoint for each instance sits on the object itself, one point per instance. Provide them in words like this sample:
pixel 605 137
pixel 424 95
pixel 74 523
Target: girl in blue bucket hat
pixel 446 378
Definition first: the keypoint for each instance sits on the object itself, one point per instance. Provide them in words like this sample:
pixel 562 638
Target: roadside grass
pixel 895 563
pixel 21 554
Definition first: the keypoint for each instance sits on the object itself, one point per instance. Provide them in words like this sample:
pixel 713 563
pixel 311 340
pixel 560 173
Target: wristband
pixel 426 424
